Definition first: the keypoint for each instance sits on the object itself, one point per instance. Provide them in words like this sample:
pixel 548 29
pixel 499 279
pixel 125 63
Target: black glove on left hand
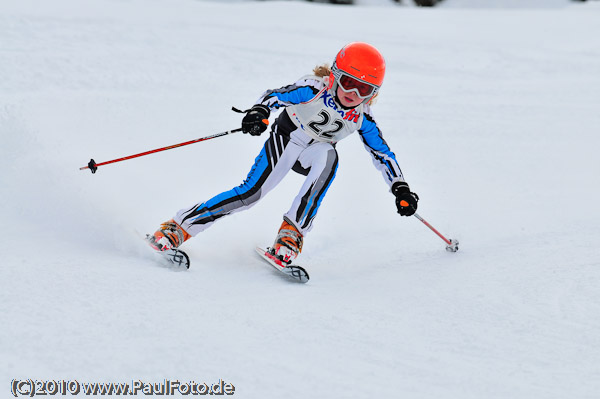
pixel 256 120
pixel 406 201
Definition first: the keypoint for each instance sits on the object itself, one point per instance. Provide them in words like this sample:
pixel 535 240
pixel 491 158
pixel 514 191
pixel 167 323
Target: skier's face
pixel 348 99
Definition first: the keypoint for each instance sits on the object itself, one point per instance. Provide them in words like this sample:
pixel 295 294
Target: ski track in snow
pixel 492 113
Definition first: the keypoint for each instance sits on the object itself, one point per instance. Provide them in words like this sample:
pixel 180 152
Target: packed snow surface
pixel 493 114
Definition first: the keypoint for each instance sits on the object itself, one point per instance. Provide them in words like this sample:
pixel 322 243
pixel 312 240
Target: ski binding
pixel 175 256
pixel 295 272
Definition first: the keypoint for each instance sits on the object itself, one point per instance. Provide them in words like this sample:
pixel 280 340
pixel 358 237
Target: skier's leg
pixel 320 162
pixel 271 165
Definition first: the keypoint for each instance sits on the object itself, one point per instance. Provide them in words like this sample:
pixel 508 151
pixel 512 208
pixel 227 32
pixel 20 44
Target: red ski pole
pixel 452 244
pixel 93 166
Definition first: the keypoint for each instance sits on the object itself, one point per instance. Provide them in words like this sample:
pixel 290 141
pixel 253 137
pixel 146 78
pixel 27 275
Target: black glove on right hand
pixel 406 201
pixel 256 120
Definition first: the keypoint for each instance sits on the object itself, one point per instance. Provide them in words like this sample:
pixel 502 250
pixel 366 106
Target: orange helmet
pixel 358 67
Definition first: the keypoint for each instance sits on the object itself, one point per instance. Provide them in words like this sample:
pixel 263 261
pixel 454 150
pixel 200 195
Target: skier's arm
pixel 383 158
pixel 257 118
pixel 301 91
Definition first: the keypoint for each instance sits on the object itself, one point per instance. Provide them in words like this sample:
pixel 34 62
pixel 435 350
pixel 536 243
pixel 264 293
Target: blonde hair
pixel 324 70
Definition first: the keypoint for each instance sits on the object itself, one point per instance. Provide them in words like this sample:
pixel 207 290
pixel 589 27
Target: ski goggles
pixel 360 88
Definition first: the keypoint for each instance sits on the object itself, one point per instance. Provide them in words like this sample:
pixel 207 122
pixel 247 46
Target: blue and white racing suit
pixel 302 139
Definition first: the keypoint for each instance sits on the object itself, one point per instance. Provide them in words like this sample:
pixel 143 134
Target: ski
pixel 295 272
pixel 176 257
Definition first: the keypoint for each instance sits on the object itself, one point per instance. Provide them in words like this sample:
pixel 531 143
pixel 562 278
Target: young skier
pixel 319 110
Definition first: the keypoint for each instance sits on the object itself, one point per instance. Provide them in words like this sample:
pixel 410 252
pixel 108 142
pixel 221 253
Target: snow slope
pixel 492 113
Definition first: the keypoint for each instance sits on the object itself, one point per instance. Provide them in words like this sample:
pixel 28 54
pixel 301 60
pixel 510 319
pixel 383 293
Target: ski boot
pixel 170 235
pixel 288 243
